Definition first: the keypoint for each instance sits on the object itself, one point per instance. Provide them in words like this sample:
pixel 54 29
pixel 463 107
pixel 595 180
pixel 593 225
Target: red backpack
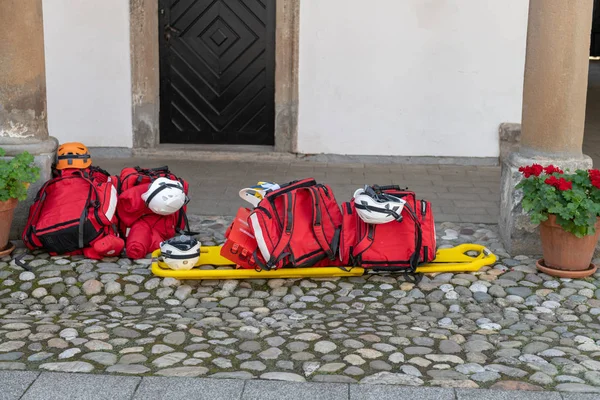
pixel 298 225
pixel 393 246
pixel 71 211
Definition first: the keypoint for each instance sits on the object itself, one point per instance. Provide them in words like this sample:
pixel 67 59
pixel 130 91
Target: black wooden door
pixel 217 71
pixel 595 42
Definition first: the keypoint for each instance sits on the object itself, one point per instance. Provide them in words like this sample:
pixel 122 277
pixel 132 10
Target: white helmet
pixel 181 252
pixel 165 196
pixel 255 194
pixel 377 208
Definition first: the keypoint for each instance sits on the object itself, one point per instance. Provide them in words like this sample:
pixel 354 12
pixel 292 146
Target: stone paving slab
pixel 265 390
pixel 55 386
pixel 81 387
pixel 156 388
pixel 580 396
pixel 392 392
pixel 457 193
pixel 477 394
pixel 14 383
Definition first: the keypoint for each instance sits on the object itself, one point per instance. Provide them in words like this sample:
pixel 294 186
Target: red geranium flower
pixel 537 169
pixel 532 170
pixel 594 177
pixel 550 169
pixel 564 184
pixel 561 184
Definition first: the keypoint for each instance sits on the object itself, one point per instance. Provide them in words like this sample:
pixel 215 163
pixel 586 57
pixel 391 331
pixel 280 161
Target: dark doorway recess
pixel 217 71
pixel 595 42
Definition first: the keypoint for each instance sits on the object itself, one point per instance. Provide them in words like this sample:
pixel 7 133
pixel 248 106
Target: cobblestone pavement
pixel 506 327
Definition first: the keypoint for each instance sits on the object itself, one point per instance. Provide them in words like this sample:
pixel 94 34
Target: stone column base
pixel 519 235
pixel 44 153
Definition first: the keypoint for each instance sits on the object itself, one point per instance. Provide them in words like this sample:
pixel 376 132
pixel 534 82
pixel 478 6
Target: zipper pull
pixel 423 207
pixel 322 186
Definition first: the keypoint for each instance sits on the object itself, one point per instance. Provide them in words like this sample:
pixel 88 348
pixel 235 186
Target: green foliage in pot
pixel 16 174
pixel 573 197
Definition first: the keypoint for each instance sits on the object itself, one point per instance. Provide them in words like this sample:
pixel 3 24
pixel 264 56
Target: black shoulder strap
pixel 416 257
pixel 84 213
pixel 182 217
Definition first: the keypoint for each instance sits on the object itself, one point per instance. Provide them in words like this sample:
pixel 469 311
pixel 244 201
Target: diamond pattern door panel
pixel 217 71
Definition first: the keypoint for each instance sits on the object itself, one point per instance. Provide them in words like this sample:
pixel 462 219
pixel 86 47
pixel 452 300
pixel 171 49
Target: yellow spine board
pixel 241 273
pixel 446 260
pixel 209 255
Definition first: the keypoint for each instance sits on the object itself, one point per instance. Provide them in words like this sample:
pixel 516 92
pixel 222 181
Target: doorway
pixel 595 40
pixel 591 137
pixel 217 71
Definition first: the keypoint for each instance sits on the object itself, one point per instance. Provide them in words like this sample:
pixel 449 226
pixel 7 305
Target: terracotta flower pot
pixel 7 209
pixel 565 254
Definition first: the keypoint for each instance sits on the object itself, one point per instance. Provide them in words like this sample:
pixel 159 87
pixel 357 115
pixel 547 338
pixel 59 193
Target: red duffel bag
pixel 404 243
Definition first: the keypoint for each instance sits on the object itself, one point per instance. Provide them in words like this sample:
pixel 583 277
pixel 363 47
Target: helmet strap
pixel 74 157
pixel 160 189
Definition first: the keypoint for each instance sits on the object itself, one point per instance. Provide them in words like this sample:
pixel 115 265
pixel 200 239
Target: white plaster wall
pixel 88 71
pixel 409 77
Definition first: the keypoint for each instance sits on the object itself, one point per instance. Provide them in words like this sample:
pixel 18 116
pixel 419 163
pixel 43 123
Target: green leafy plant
pixel 16 174
pixel 574 198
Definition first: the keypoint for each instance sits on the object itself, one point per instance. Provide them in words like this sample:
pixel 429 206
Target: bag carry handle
pixel 388 187
pixel 164 168
pixel 290 187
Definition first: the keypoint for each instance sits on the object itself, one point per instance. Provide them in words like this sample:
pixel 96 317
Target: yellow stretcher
pixel 454 259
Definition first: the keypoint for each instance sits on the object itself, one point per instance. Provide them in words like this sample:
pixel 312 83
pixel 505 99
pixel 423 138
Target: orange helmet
pixel 73 155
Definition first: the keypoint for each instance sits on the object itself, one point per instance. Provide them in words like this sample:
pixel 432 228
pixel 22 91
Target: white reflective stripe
pixel 112 205
pixel 127 232
pixel 245 232
pixel 260 239
pixel 243 222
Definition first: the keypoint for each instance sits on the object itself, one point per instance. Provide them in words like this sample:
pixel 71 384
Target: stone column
pixel 23 117
pixel 554 100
